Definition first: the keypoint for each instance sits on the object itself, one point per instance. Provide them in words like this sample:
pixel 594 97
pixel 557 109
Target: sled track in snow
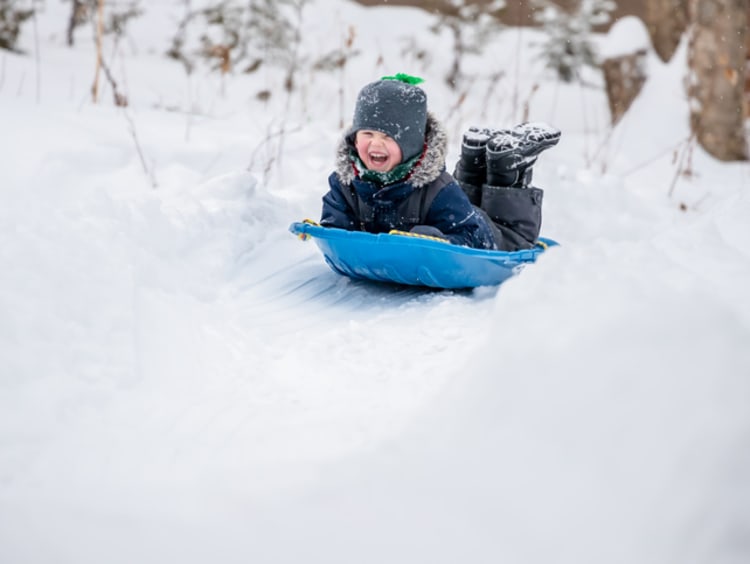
pixel 308 292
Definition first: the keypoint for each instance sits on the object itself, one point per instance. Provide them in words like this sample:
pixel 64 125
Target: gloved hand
pixel 429 231
pixel 423 232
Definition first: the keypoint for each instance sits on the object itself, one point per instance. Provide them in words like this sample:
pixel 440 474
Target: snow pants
pixel 514 213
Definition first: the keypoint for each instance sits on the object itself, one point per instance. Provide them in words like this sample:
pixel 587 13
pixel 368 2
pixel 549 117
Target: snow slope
pixel 183 380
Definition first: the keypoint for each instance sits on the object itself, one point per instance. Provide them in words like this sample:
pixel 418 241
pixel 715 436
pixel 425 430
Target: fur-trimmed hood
pixel 429 167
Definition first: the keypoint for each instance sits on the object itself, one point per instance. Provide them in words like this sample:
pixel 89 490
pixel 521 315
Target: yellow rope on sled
pixel 418 235
pixel 305 236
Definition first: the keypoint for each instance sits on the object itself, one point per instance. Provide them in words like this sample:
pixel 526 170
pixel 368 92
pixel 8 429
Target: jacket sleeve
pixel 336 211
pixel 453 214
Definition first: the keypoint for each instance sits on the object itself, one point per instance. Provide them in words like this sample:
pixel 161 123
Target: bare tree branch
pixel 99 33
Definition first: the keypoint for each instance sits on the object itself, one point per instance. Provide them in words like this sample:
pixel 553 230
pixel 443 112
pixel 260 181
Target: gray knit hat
pixel 394 105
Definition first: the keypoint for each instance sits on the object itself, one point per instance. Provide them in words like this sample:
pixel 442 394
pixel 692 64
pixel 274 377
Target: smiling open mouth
pixel 378 158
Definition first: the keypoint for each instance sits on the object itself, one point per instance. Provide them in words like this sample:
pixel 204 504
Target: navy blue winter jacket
pixel 359 205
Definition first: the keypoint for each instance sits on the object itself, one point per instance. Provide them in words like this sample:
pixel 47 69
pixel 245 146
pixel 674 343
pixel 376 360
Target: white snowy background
pixel 182 380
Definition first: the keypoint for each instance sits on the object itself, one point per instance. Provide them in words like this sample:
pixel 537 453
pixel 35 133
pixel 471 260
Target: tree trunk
pixel 717 79
pixel 624 77
pixel 666 21
pixel 78 15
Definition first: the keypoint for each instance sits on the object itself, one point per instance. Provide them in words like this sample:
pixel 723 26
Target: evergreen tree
pixel 238 34
pixel 12 15
pixel 568 47
pixel 470 24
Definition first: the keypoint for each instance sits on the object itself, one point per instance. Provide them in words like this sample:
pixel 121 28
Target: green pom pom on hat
pixel 406 78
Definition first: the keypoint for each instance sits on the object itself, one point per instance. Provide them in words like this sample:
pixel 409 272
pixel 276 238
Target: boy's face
pixel 376 150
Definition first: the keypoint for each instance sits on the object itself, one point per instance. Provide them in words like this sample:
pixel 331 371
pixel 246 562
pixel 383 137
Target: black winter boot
pixel 512 153
pixel 471 168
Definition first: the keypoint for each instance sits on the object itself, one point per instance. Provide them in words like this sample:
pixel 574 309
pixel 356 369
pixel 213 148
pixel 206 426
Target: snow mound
pixel 626 36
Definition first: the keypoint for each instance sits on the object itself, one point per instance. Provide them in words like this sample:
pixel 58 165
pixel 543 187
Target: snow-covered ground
pixel 182 380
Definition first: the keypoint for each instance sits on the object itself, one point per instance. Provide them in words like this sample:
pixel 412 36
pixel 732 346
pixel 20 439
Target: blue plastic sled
pixel 414 260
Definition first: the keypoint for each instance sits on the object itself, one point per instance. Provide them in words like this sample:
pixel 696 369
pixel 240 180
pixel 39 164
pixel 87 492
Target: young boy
pixel 390 174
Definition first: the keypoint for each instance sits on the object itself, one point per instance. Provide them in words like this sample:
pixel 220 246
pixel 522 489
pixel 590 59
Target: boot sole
pixel 527 140
pixel 537 133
